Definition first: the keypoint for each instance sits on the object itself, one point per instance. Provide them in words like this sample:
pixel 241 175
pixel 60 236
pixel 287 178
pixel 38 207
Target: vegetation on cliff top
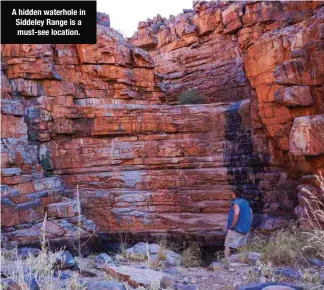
pixel 190 97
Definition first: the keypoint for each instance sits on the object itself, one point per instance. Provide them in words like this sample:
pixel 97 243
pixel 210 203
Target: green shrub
pixel 46 162
pixel 190 97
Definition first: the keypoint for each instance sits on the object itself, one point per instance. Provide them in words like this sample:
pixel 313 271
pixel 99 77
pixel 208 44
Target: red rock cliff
pixel 91 115
pixel 103 117
pixel 270 52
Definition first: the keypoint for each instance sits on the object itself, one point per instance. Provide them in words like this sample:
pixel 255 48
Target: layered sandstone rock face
pixel 270 52
pixel 92 116
pixel 26 191
pixel 191 51
pixel 150 169
pixel 104 117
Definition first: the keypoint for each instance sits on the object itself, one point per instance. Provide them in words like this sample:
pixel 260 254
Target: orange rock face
pixel 270 52
pixel 98 122
pixel 105 118
pixel 154 168
pixel 191 52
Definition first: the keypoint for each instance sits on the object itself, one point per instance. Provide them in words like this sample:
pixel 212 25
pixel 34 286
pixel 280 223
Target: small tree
pixel 190 97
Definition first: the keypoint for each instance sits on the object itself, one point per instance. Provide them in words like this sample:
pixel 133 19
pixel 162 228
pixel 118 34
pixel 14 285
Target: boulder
pixel 64 276
pixel 10 171
pixel 64 260
pixel 141 249
pixel 295 96
pixel 166 282
pixel 136 277
pixel 27 252
pixel 172 270
pixel 104 285
pixel 188 287
pixel 169 258
pixel 102 260
pixel 10 107
pixel 248 257
pixel 9 284
pixel 216 266
pixel 278 287
pixel 317 262
pixel 138 249
pixel 274 285
pixel 287 273
pixel 31 281
pixel 306 137
pixel 66 209
pixel 268 222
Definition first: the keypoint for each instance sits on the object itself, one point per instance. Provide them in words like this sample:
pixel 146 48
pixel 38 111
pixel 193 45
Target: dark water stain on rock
pixel 241 161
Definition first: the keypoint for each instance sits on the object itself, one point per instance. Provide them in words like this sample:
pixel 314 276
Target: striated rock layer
pixel 91 116
pixel 156 168
pixel 270 52
pixel 103 117
pixel 42 88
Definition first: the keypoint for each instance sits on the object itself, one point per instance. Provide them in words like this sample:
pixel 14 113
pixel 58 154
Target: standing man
pixel 239 221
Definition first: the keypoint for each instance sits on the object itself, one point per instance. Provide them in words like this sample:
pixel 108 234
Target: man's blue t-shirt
pixel 243 223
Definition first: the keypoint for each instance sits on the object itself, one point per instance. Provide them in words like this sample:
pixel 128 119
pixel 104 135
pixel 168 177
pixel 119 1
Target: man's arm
pixel 236 214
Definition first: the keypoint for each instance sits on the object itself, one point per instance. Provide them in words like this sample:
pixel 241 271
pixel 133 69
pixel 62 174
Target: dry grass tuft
pixel 39 269
pixel 123 246
pixel 285 247
pixel 155 285
pixel 289 247
pixel 164 245
pixel 78 242
pixel 315 220
pixel 135 257
pixel 256 243
pixel 309 277
pixel 191 256
pixel 294 246
pixel 315 243
pixel 314 205
pixel 75 283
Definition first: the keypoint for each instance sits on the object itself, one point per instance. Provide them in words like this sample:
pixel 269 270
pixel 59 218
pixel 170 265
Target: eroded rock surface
pixel 270 52
pixel 98 123
pixel 103 117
